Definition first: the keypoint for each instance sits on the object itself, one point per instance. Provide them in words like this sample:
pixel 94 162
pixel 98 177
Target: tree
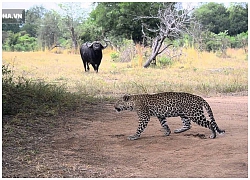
pixel 72 15
pixel 213 17
pixel 116 19
pixel 172 24
pixel 26 42
pixel 217 18
pixel 48 31
pixel 90 31
pixel 13 40
pixel 238 18
pixel 33 18
pixel 11 27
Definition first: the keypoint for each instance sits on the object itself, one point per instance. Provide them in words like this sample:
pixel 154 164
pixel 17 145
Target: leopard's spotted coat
pixel 169 104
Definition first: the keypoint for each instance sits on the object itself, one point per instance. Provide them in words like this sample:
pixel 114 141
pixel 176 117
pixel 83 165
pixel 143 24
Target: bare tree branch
pixel 165 48
pixel 172 23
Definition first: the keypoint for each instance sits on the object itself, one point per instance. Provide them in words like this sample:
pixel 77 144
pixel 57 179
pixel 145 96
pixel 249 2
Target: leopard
pixel 189 107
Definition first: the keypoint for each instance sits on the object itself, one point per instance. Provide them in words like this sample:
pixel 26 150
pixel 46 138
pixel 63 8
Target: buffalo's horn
pixel 90 45
pixel 106 44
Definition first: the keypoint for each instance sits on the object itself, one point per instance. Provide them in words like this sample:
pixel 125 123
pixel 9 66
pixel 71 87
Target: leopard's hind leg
pixel 186 124
pixel 212 125
pixel 164 125
pixel 202 121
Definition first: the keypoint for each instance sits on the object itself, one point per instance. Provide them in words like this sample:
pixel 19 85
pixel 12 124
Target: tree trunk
pixel 73 36
pixel 155 50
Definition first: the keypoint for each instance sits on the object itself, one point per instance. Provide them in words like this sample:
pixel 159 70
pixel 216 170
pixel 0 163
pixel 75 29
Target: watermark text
pixel 13 16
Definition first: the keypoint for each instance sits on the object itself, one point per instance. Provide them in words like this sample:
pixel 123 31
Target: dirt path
pixel 93 143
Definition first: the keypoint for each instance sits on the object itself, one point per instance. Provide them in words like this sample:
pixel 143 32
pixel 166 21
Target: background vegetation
pixel 117 21
pixel 210 60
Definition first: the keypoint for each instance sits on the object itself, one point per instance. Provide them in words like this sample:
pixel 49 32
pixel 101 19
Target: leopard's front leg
pixel 164 124
pixel 143 122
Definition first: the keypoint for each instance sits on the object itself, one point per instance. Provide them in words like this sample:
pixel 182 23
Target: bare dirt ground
pixel 92 142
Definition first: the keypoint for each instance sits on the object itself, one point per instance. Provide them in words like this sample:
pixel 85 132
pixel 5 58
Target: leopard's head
pixel 126 103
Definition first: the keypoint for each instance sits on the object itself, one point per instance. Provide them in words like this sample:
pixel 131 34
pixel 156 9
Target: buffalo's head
pixel 97 46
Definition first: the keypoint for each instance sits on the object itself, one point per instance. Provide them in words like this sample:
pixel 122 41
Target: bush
pixel 213 46
pixel 19 47
pixel 165 61
pixel 115 56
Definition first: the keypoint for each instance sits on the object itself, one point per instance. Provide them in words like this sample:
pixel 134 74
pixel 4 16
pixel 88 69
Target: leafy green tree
pixel 238 18
pixel 11 27
pixel 105 16
pixel 217 18
pixel 90 31
pixel 213 17
pixel 27 43
pixel 119 18
pixel 33 18
pixel 12 40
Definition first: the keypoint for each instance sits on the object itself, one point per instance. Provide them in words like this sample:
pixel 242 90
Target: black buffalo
pixel 91 53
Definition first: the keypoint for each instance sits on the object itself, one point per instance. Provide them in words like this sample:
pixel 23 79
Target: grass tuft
pixel 24 96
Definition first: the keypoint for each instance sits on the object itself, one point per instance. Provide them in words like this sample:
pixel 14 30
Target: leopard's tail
pixel 212 124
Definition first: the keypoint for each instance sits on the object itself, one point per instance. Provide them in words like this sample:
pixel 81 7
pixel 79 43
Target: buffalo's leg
pixel 86 66
pixel 95 66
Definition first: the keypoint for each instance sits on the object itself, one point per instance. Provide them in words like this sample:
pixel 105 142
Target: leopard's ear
pixel 126 97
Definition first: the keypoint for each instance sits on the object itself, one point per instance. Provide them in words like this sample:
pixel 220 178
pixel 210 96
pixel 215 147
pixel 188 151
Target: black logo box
pixel 13 16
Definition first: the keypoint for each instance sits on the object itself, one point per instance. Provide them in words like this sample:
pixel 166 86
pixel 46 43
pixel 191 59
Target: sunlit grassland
pixel 195 72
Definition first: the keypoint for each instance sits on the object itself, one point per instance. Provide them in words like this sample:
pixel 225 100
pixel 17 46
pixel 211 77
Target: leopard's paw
pixel 167 133
pixel 133 137
pixel 181 130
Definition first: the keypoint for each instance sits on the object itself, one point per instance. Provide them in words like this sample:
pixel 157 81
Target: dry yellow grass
pixel 199 73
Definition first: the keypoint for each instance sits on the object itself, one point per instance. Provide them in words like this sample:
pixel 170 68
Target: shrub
pixel 213 46
pixel 165 61
pixel 115 56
